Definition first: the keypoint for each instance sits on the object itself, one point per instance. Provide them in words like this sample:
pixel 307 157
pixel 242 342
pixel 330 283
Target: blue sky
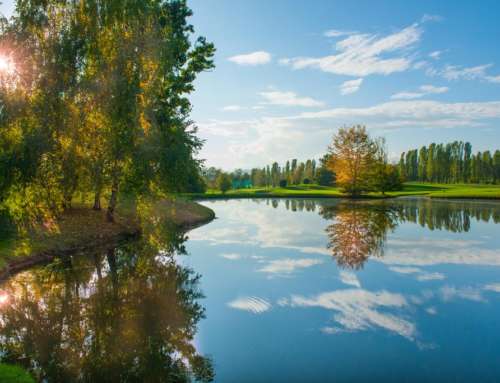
pixel 289 73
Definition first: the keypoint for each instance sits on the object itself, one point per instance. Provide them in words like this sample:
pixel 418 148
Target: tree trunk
pixel 112 201
pixel 97 200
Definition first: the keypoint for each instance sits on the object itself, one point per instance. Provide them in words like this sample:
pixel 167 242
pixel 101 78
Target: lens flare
pixel 4 298
pixel 7 66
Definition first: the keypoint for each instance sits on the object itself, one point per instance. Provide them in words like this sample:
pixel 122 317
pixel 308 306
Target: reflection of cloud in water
pixel 463 256
pixel 431 310
pixel 349 278
pixel 405 270
pixel 421 275
pixel 358 309
pixel 430 277
pixel 449 293
pixel 254 305
pixel 288 265
pixel 266 228
pixel 493 287
pixel 441 242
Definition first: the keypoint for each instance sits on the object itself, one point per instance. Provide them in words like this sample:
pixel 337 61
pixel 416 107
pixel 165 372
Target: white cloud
pixel 351 86
pixel 349 279
pixel 275 97
pixel 288 265
pixel 232 108
pixel 426 18
pixel 255 305
pixel 428 89
pixel 365 54
pixel 256 141
pixel 254 58
pixel 359 309
pixel 406 95
pixel 338 33
pixel 423 91
pixel 230 256
pixel 436 55
pixel 455 72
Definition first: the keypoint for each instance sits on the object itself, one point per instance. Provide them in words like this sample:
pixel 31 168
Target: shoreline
pixel 184 216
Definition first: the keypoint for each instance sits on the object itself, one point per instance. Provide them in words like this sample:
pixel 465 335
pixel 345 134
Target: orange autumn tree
pixel 353 156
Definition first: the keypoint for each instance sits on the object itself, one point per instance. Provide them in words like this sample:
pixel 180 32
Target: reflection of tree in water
pixel 359 229
pixel 358 232
pixel 454 216
pixel 129 314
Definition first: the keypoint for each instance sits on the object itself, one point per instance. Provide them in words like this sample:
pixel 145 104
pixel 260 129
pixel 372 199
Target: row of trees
pixel 93 99
pixel 450 163
pixel 291 173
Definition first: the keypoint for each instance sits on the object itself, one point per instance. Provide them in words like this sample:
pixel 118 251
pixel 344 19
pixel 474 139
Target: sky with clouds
pixel 290 73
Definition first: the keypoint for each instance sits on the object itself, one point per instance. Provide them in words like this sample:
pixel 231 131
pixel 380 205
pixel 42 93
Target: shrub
pixel 283 183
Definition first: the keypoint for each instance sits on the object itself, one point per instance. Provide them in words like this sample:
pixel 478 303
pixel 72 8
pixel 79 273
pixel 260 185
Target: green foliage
pixel 450 163
pixel 14 374
pixel 224 182
pixel 98 103
pixel 283 183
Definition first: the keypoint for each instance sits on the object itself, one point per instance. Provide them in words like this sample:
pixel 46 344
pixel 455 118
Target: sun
pixel 7 66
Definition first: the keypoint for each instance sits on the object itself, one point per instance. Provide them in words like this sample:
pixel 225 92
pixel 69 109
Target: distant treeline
pixel 450 163
pixel 292 172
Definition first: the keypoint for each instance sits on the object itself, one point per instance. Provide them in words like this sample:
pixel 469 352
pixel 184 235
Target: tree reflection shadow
pixel 125 314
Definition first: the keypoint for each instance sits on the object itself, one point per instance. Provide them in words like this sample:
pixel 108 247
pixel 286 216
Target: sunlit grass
pixel 434 190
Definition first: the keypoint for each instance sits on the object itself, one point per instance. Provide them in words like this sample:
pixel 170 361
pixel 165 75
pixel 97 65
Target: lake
pixel 289 290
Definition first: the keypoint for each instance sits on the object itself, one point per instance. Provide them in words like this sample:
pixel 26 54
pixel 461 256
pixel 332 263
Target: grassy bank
pixel 316 191
pixel 14 374
pixel 82 228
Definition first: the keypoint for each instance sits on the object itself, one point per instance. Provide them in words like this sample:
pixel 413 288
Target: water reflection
pixel 125 314
pixel 359 229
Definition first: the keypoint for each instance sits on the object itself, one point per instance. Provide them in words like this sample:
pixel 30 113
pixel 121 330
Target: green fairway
pixel 409 189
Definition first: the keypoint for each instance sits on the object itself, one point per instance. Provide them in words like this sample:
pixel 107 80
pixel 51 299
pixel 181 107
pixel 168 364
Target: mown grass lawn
pixel 409 189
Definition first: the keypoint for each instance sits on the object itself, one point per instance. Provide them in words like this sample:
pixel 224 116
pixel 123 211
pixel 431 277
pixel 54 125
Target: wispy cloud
pixel 351 86
pixel 362 54
pixel 426 18
pixel 338 33
pixel 457 72
pixel 232 108
pixel 252 59
pixel 436 55
pixel 275 97
pixel 230 256
pixel 423 91
pixel 255 305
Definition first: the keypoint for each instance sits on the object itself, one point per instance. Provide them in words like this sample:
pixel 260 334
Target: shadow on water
pixel 359 229
pixel 124 314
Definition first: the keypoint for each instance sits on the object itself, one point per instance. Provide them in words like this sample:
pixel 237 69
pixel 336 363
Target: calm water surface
pixel 274 291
